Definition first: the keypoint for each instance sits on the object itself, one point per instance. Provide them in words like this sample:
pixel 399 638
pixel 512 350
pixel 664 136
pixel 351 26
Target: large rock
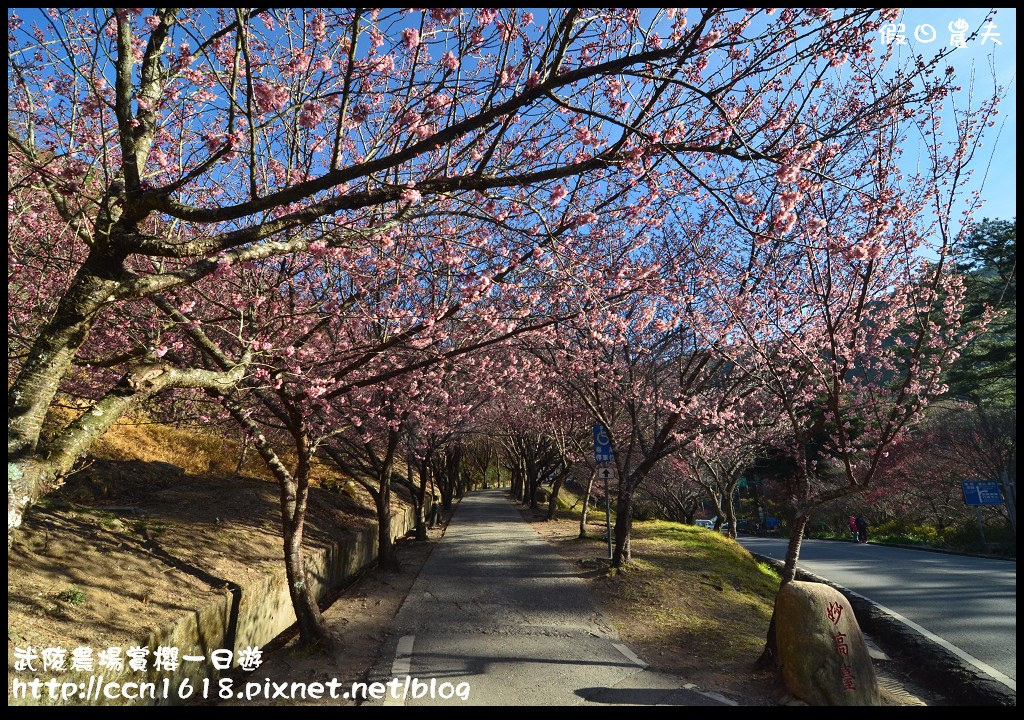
pixel 821 650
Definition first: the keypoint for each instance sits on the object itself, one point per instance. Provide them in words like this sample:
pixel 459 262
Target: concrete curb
pixel 943 672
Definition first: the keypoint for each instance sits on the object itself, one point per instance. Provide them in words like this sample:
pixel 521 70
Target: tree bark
pixel 421 509
pixel 553 500
pixel 769 656
pixel 717 500
pixel 52 352
pixel 294 493
pixel 621 555
pixel 586 505
pixel 730 510
pixel 793 549
pixel 386 557
pixel 312 629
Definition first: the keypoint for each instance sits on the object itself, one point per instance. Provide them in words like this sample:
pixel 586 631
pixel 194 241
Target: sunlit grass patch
pixel 697 590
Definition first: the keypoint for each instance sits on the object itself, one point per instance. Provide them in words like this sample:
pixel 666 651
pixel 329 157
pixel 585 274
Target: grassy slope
pixel 700 588
pixel 691 600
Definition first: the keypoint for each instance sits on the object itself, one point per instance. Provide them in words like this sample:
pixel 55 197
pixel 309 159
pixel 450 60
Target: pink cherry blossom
pixel 312 114
pixel 411 38
pixel 557 195
pixel 449 61
pixel 708 40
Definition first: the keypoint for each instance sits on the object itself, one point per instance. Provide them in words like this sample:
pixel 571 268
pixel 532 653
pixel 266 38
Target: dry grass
pixel 208 452
pixel 193 450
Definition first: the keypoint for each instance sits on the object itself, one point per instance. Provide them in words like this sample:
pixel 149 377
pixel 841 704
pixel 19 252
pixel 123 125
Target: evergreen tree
pixel 986 372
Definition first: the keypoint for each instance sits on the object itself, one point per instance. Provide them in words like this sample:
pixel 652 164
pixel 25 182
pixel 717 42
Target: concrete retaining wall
pixel 244 616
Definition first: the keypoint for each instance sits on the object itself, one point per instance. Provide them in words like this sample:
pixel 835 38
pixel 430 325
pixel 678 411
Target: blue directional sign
pixel 602 445
pixel 982 493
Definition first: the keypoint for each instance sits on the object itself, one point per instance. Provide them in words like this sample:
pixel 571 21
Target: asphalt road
pixel 969 602
pixel 497 608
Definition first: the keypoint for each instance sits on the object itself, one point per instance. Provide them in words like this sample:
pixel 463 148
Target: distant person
pixel 854 530
pixel 862 529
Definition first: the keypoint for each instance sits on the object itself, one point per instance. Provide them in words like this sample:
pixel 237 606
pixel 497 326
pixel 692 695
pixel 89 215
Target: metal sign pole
pixel 603 454
pixel 981 526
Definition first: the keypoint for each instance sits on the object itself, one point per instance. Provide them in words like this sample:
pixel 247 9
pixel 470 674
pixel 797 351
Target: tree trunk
pixel 769 656
pixel 518 479
pixel 461 483
pixel 623 524
pixel 421 513
pixel 730 511
pixel 793 549
pixel 294 493
pixel 553 500
pixel 307 613
pixel 241 457
pixel 31 394
pixel 586 505
pixel 530 497
pixel 386 557
pixel 717 500
pixel 27 480
pixel 51 355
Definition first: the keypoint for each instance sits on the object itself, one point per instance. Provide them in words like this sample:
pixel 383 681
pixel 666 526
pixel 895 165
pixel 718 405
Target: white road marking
pixel 402 665
pixel 630 655
pixel 980 664
pixel 715 696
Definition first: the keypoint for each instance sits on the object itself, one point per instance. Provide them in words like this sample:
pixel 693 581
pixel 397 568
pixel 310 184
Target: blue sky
pixel 995 172
pixel 999 152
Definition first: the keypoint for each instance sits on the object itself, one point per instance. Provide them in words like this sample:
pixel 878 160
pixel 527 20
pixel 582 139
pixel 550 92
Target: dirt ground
pixel 128 547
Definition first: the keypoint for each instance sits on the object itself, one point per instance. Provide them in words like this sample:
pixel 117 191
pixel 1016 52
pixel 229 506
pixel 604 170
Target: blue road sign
pixel 982 493
pixel 602 445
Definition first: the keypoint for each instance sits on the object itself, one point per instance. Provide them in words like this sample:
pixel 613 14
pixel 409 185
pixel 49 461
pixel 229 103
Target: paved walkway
pixel 497 608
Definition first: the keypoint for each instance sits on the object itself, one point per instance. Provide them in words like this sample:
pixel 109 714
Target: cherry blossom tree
pixel 156 150
pixel 718 457
pixel 642 377
pixel 843 295
pixel 677 495
pixel 956 441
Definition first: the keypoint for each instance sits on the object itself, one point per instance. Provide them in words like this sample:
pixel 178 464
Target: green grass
pixel 570 505
pixel 72 595
pixel 697 589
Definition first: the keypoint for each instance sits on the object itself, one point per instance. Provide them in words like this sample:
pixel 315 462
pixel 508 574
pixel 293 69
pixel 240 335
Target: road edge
pixel 948 674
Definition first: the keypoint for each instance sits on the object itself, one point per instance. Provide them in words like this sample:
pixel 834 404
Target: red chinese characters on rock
pixel 847 677
pixel 834 612
pixel 841 647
